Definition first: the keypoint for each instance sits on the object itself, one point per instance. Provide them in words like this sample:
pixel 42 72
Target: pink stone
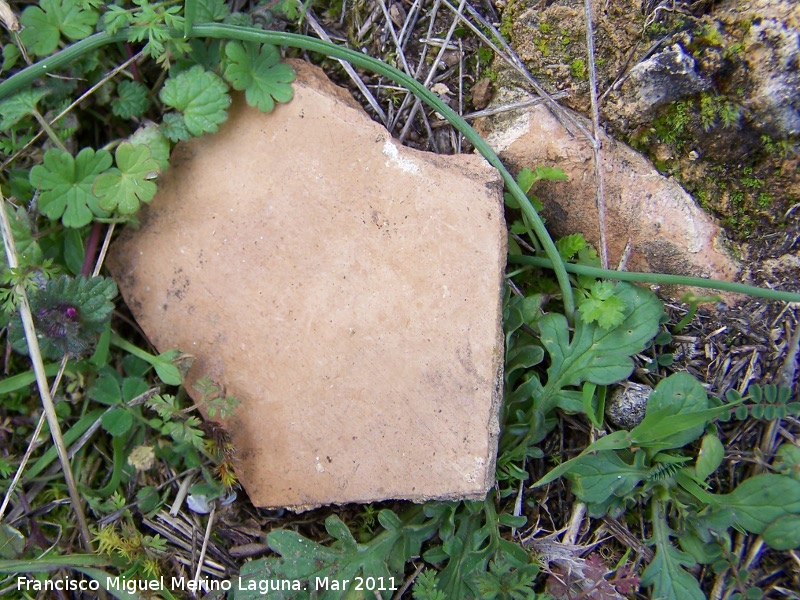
pixel 346 289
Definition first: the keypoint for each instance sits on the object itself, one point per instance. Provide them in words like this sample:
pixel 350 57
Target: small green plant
pixel 650 464
pixel 578 70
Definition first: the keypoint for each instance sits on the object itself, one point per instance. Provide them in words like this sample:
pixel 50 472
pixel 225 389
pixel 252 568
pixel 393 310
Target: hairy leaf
pixel 68 315
pixel 258 71
pixel 201 96
pixel 66 185
pixel 173 126
pixel 124 188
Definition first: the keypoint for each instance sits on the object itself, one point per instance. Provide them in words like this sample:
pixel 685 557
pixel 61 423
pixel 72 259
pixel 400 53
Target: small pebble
pixel 626 405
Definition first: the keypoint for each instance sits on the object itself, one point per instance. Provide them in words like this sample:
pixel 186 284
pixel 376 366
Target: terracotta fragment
pixel 346 289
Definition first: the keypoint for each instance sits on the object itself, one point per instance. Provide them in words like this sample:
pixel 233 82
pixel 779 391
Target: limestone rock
pixel 665 230
pixel 668 76
pixel 346 289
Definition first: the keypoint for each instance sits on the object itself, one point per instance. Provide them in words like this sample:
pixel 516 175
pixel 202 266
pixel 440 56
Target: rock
pixel 707 92
pixel 347 290
pixel 627 404
pixel 772 53
pixel 666 77
pixel 666 232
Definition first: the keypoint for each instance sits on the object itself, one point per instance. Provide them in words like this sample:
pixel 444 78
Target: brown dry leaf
pixel 482 93
pixel 8 17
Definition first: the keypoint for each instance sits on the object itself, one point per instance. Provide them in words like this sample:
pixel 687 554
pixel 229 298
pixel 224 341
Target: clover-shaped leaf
pixel 150 135
pixel 125 187
pixel 201 96
pixel 259 72
pixel 66 185
pixel 43 25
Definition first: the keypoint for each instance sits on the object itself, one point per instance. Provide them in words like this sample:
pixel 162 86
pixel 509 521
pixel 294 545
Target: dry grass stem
pixel 41 381
pixel 320 31
pixel 72 105
pixel 33 444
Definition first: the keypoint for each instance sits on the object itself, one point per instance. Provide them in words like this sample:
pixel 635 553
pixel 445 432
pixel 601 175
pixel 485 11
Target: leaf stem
pixel 661 278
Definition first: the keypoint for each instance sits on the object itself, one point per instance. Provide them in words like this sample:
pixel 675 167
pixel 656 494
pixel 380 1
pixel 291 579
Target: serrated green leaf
pixel 124 188
pixel 665 573
pixel 306 561
pixel 68 314
pixel 570 245
pixel 186 432
pixel 66 185
pixel 19 106
pixel 783 533
pixel 132 100
pixel 526 178
pixel 202 97
pixel 211 10
pixel 668 578
pixel 602 306
pixel 594 354
pixel 550 173
pixel 760 500
pixel 258 71
pixel 115 18
pixel 173 126
pixel 43 25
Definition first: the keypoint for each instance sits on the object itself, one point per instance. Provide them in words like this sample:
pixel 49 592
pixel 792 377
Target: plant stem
pixel 249 34
pixel 41 381
pixel 661 278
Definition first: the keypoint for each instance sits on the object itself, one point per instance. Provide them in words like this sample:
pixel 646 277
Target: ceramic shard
pixel 346 289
